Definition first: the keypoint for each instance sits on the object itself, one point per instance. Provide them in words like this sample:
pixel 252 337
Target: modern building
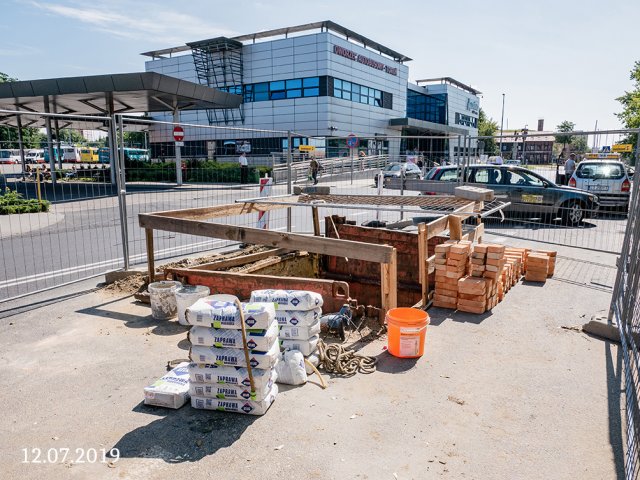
pixel 321 81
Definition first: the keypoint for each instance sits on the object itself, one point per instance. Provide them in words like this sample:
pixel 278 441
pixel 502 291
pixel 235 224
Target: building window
pixel 430 108
pixel 278 90
pixel 357 93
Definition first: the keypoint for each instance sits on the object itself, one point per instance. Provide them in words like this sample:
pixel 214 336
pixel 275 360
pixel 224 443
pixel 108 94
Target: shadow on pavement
pixel 615 388
pixel 387 363
pixel 438 316
pixel 160 327
pixel 183 435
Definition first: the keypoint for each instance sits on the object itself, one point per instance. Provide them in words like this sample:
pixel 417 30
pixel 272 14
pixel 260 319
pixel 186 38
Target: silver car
pixel 607 179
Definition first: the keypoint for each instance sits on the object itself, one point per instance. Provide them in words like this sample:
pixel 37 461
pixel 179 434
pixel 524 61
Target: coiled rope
pixel 335 358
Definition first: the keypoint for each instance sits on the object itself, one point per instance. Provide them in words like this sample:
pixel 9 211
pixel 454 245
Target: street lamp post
pixel 501 124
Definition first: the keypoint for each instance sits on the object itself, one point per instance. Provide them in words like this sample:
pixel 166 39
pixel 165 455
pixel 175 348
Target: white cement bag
pixel 289 332
pixel 297 318
pixel 238 406
pixel 288 299
pixel 260 340
pixel 234 357
pixel 234 392
pixel 306 347
pixel 171 391
pixel 209 373
pixel 208 312
pixel 291 368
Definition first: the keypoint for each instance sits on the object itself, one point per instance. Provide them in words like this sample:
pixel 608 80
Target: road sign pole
pixel 176 121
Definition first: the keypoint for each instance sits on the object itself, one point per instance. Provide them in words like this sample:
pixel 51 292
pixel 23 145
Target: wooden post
pixel 455 227
pixel 422 261
pixel 316 221
pixel 479 230
pixel 150 260
pixel 389 282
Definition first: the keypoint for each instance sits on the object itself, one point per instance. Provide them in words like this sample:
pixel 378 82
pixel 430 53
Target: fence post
pixel 176 121
pixel 289 180
pixel 117 134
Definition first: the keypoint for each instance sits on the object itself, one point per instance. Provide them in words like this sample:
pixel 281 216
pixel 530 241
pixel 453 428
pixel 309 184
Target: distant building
pixel 538 149
pixel 320 80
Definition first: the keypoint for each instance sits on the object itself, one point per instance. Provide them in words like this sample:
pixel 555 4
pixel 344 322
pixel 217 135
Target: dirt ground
pixel 508 394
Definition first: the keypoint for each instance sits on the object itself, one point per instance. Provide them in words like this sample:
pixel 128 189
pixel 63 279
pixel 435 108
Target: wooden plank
pixel 455 227
pixel 241 260
pixel 291 241
pixel 224 210
pixel 437 226
pixel 316 221
pixel 422 261
pixel 148 232
pixel 393 280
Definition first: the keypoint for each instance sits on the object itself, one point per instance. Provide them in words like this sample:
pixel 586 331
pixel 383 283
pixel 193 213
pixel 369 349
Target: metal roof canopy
pixel 425 126
pixel 449 81
pixel 109 94
pixel 327 25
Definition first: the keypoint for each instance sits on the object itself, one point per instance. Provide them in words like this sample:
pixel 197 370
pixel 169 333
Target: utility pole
pixel 501 124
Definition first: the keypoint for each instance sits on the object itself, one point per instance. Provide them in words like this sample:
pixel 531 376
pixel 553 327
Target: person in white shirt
pixel 244 167
pixel 569 167
pixel 498 160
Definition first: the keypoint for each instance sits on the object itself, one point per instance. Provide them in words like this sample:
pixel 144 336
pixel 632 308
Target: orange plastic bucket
pixel 406 331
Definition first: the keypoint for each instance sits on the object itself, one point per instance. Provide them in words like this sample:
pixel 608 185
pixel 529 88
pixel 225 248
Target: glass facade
pixel 430 108
pixel 356 93
pixel 278 90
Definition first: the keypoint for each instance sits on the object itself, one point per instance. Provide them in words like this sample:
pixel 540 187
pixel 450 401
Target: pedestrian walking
pixel 314 166
pixel 244 167
pixel 569 167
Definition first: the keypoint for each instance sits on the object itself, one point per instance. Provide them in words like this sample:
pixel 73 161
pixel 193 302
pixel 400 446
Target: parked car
pixel 394 170
pixel 606 178
pixel 529 193
pixel 517 163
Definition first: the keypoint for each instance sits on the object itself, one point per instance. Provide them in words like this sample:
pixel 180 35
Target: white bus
pixel 9 156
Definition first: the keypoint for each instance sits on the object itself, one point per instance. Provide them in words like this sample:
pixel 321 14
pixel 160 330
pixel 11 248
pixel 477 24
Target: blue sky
pixel 560 60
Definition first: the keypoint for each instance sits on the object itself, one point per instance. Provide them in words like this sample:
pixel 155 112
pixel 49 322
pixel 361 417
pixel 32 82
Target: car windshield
pixel 593 171
pixel 395 167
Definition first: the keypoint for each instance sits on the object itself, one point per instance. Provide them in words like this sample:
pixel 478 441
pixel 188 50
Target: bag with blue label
pixel 234 357
pixel 299 332
pixel 288 299
pixel 171 391
pixel 210 312
pixel 298 318
pixel 238 376
pixel 260 340
pixel 248 407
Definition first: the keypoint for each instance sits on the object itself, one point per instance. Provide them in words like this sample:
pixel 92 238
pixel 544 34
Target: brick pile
pixel 451 259
pixel 476 279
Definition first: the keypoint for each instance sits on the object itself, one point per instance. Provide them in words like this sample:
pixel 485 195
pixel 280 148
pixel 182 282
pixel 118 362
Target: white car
pixel 517 163
pixel 607 179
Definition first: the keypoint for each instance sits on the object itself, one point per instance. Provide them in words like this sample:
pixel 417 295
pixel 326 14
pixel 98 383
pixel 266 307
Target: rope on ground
pixel 335 358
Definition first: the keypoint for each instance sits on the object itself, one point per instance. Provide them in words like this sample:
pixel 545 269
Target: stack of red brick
pixel 474 279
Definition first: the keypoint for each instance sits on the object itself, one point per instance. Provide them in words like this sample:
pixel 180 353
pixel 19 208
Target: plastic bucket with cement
pixel 163 299
pixel 187 296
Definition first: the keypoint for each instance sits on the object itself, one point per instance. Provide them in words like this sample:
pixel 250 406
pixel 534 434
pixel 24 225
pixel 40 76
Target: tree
pixel 68 135
pixel 565 126
pixel 135 139
pixel 31 137
pixel 487 127
pixel 579 144
pixel 630 115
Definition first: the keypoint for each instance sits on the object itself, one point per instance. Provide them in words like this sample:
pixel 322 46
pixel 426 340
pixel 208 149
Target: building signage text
pixel 466 120
pixel 473 105
pixel 351 55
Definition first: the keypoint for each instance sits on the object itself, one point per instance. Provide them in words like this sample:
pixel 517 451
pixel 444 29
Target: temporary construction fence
pixel 625 309
pixel 91 224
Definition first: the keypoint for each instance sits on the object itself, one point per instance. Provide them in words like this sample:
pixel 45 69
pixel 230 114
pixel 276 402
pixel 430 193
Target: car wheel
pixel 572 213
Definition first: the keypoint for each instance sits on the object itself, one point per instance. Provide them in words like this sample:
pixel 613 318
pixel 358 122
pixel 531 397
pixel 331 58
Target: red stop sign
pixel 178 133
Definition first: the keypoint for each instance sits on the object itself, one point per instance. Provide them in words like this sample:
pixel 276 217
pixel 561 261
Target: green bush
pixel 12 202
pixel 195 172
